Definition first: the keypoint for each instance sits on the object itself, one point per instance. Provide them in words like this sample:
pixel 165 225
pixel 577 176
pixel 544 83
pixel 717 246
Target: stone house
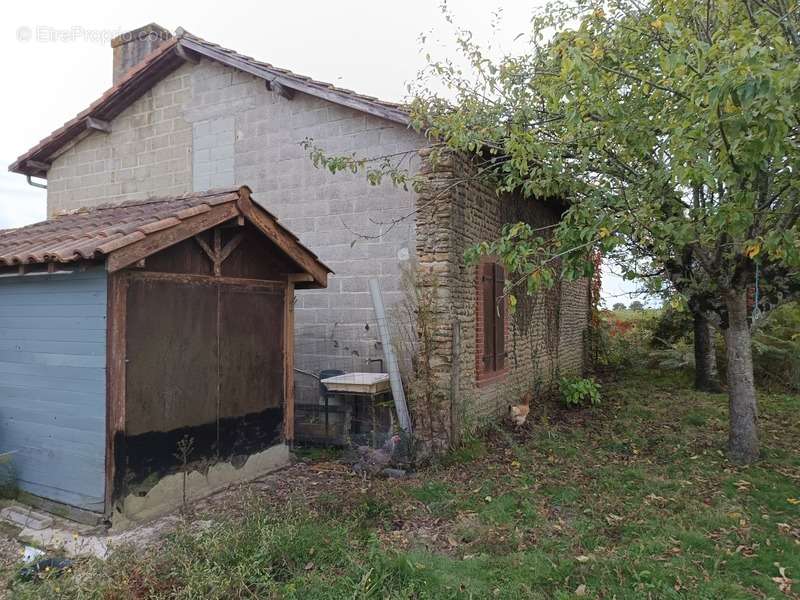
pixel 186 115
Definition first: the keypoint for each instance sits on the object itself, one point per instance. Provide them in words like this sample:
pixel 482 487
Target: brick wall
pixel 545 336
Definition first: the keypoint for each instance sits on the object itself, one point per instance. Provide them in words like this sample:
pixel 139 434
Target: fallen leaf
pixel 582 558
pixel 654 498
pixel 580 590
pixel 783 582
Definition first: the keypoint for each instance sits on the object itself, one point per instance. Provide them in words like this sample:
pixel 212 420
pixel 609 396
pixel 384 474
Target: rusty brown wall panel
pixel 251 369
pixel 205 360
pixel 171 354
pixel 255 257
pixel 251 356
pixel 184 257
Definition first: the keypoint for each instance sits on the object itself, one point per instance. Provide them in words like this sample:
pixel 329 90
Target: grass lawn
pixel 632 499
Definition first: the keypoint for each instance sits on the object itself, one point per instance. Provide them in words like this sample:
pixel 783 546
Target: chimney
pixel 130 48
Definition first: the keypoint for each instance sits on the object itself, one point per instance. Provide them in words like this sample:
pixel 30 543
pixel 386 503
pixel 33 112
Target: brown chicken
pixel 518 413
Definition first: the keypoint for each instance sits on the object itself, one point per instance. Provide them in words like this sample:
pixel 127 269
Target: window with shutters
pixel 490 322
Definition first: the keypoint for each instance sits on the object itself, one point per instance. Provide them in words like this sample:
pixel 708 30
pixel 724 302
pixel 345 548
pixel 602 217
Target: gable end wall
pixel 209 125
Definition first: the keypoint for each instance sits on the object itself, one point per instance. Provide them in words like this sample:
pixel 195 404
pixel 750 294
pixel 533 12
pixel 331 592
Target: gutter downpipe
pixel 35 184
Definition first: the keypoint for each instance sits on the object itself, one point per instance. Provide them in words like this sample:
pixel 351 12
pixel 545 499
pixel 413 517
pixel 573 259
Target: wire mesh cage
pixel 342 395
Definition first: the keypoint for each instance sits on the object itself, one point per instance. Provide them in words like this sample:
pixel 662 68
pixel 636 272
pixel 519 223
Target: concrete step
pixel 25 517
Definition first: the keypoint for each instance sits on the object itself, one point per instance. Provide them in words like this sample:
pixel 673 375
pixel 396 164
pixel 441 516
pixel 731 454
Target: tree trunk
pixel 743 437
pixel 705 355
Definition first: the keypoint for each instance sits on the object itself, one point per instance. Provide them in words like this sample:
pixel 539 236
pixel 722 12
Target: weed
pixel 470 450
pixel 577 391
pixel 184 448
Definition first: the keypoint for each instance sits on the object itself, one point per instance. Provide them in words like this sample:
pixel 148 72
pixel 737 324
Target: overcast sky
pixel 57 57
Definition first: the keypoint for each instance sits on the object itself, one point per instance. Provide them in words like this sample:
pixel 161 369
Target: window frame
pixel 491 322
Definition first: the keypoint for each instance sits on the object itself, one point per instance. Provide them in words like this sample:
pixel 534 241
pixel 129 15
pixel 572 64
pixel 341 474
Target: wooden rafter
pixel 274 85
pixel 218 254
pixel 230 247
pixel 284 240
pixel 38 164
pixel 206 248
pixel 98 124
pixel 154 242
pixel 149 239
pixel 186 55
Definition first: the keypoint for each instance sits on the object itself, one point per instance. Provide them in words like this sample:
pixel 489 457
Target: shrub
pixel 670 327
pixel 576 391
pixel 621 339
pixel 776 348
pixel 671 339
pixel 676 357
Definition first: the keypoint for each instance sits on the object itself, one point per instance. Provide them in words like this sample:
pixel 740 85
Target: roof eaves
pixel 167 57
pixel 113 101
pixel 124 233
pixel 300 83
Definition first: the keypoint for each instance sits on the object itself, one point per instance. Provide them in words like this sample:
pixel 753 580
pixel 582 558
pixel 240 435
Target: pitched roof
pixel 124 233
pixel 392 111
pixel 165 59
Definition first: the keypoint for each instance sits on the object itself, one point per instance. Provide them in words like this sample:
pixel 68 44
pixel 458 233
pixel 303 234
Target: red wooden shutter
pixel 499 317
pixel 488 301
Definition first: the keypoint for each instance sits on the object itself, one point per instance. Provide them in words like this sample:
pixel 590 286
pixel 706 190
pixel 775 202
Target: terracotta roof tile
pixel 91 233
pixel 96 233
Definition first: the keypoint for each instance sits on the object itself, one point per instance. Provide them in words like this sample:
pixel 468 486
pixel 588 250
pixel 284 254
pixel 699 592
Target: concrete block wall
pixel 208 125
pixel 147 153
pixel 336 327
pixel 213 153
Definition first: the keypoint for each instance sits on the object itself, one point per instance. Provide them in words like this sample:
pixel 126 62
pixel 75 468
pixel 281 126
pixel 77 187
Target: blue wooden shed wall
pixel 53 384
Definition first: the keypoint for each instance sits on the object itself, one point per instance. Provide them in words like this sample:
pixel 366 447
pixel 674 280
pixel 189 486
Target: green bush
pixel 576 391
pixel 671 336
pixel 776 348
pixel 676 357
pixel 671 327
